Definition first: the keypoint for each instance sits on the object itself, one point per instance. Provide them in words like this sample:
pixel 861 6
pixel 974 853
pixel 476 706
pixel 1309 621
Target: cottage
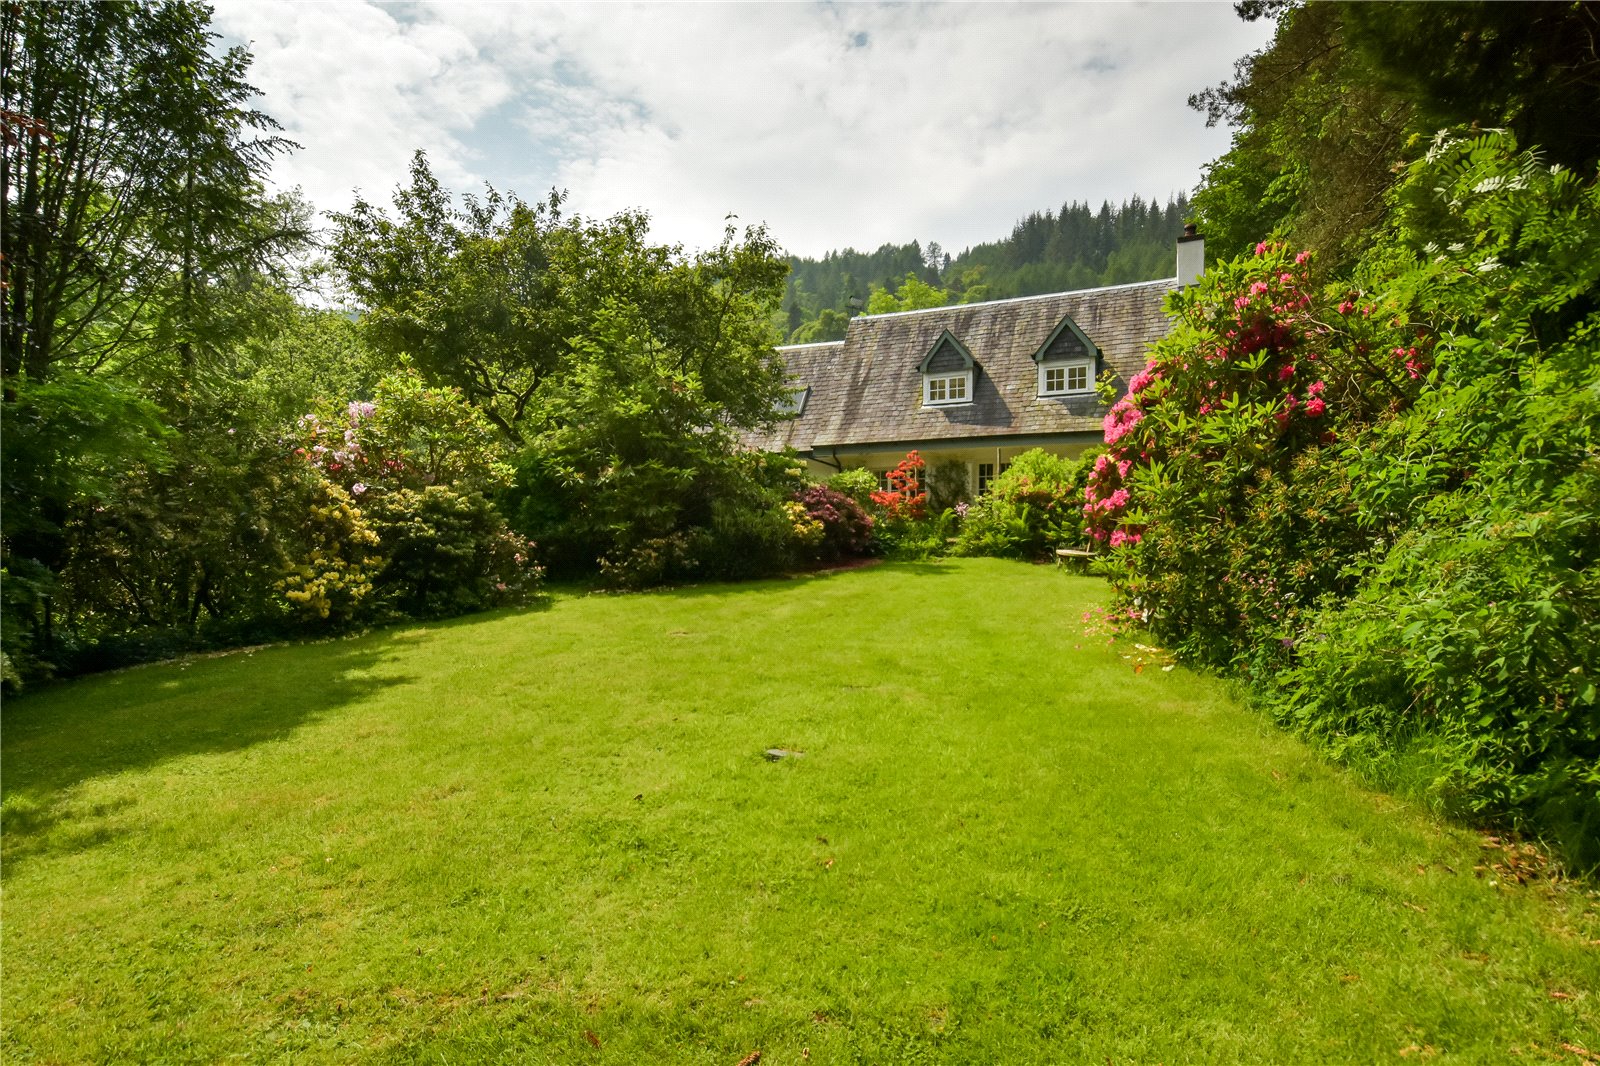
pixel 971 386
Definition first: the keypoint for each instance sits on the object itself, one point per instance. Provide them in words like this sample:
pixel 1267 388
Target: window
pixel 1066 379
pixel 986 475
pixel 796 405
pixel 940 389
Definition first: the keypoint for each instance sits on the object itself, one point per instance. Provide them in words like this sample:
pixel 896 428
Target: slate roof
pixel 867 388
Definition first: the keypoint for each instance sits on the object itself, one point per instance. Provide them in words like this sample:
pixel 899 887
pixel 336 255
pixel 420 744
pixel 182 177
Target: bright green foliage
pixel 500 297
pixel 408 436
pixel 858 483
pixel 914 294
pixel 1383 503
pixel 502 839
pixel 1033 507
pixel 1475 636
pixel 830 325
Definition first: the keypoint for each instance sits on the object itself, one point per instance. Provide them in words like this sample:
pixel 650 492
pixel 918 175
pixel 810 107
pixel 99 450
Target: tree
pixel 490 298
pixel 132 168
pixel 914 294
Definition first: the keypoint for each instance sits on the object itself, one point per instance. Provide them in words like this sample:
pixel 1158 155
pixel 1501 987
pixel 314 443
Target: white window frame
pixel 1066 366
pixel 944 381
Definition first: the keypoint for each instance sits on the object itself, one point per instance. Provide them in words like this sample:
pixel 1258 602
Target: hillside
pixel 1048 251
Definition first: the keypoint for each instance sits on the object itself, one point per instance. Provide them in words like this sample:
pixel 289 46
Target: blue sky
pixel 835 124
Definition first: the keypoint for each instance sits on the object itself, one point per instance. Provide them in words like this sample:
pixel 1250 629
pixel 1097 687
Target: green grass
pixel 551 836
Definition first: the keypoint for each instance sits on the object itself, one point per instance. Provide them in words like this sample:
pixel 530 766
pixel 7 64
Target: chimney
pixel 1191 256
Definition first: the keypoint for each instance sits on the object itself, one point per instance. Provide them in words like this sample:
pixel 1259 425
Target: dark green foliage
pixel 447 553
pixel 134 184
pixel 1531 67
pixel 1032 508
pixel 1316 144
pixel 1077 248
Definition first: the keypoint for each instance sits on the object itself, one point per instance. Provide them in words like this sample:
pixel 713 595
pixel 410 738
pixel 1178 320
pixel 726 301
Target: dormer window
pixel 1067 361
pixel 1066 379
pixel 947 373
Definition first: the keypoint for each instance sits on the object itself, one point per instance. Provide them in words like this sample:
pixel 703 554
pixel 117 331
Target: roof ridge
pixel 808 344
pixel 1013 300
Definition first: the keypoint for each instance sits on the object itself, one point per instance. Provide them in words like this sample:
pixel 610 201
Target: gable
pixel 947 356
pixel 1066 342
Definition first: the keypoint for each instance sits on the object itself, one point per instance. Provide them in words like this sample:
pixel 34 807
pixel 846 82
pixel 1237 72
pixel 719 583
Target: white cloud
pixel 836 124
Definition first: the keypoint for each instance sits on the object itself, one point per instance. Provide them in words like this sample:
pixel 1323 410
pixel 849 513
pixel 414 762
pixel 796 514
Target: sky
pixel 837 125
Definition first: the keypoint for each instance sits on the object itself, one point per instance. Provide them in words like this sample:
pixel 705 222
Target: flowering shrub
pixel 417 462
pixel 1030 509
pixel 1214 490
pixel 408 436
pixel 333 580
pixel 904 500
pixel 1382 500
pixel 449 552
pixel 846 529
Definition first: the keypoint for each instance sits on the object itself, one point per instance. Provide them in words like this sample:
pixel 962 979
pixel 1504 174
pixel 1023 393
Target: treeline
pixel 1048 251
pixel 1361 472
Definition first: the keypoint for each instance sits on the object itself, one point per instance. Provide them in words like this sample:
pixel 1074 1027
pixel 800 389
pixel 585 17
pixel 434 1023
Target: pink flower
pixel 358 488
pixel 1286 372
pixel 1346 307
pixel 1315 406
pixel 1302 257
pixel 1261 249
pixel 1316 388
pixel 1286 278
pixel 1256 288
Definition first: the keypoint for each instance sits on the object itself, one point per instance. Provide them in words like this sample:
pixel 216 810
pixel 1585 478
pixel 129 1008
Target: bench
pixel 1074 557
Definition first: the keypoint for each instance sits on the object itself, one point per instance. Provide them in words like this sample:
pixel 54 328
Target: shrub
pixel 858 483
pixel 448 553
pixel 330 578
pixel 1031 508
pixel 1381 501
pixel 846 528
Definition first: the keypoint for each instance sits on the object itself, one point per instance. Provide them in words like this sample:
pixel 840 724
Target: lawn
pixel 552 836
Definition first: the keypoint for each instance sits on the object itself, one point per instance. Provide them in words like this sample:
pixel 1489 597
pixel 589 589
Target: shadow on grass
pixel 138 718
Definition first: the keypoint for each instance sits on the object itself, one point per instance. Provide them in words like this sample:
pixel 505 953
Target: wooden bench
pixel 1074 557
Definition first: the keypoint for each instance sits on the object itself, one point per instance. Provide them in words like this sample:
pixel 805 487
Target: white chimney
pixel 1191 256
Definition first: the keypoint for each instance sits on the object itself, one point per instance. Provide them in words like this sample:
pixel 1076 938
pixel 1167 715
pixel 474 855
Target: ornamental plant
pixel 1212 492
pixel 1381 500
pixel 904 500
pixel 846 528
pixel 409 436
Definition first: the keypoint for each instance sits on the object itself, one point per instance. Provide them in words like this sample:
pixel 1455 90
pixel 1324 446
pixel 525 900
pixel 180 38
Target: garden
pixel 435 677
pixel 557 835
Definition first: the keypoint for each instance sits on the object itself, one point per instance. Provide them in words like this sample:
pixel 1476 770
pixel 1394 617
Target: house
pixel 973 385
